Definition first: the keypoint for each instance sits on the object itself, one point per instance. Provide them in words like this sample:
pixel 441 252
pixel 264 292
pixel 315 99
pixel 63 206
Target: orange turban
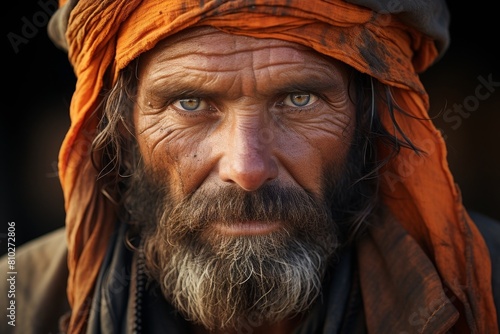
pixel 104 36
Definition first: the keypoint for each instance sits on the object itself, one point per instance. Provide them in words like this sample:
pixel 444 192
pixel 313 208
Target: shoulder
pixel 36 289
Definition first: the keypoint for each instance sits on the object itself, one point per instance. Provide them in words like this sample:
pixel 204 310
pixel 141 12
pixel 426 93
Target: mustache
pixel 271 202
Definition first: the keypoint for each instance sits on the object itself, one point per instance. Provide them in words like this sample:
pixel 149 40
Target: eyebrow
pixel 311 85
pixel 176 86
pixel 181 89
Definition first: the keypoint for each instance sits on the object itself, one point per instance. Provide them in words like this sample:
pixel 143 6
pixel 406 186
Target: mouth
pixel 247 228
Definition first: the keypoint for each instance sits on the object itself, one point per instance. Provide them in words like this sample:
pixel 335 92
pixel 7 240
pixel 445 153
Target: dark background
pixel 39 82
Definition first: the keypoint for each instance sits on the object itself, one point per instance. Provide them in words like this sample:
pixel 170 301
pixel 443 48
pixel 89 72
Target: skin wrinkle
pixel 160 82
pixel 170 131
pixel 169 136
pixel 304 129
pixel 341 121
pixel 157 144
pixel 223 146
pixel 245 123
pixel 174 54
pixel 210 78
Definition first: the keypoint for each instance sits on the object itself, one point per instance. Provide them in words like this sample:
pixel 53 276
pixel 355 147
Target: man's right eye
pixel 191 104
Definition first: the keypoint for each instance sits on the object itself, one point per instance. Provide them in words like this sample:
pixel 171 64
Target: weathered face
pixel 245 145
pixel 216 109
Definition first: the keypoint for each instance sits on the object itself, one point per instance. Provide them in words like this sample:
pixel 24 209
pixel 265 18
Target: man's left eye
pixel 191 104
pixel 299 99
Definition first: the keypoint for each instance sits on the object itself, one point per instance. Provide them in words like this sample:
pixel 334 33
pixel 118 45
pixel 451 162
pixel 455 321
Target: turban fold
pixel 103 37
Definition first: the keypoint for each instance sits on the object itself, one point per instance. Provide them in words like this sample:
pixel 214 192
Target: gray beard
pixel 225 282
pixel 245 281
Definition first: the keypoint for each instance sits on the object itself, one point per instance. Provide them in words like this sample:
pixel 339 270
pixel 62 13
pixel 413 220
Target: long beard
pixel 222 281
pixel 226 282
pixel 251 282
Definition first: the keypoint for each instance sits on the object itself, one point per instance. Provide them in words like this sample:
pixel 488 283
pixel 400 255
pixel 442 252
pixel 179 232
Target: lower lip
pixel 247 228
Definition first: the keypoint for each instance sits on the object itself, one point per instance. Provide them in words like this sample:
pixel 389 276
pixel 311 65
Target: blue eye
pixel 299 99
pixel 191 104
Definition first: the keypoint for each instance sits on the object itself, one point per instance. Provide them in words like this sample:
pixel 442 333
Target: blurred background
pixel 39 82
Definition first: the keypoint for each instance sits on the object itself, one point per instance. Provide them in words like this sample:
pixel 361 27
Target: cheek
pixel 175 153
pixel 313 145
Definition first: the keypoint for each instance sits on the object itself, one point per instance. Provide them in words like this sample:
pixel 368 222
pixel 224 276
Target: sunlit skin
pixel 215 109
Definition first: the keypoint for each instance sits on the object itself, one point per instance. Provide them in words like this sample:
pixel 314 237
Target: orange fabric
pixel 104 36
pixel 394 270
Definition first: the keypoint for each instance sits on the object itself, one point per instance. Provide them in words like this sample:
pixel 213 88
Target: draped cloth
pixel 103 37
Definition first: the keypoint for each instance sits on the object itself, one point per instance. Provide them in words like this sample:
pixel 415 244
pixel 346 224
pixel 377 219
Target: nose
pixel 248 158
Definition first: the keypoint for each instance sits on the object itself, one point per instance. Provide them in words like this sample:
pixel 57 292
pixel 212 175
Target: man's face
pixel 216 109
pixel 244 139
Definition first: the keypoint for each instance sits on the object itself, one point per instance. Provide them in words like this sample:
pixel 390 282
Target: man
pixel 262 167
